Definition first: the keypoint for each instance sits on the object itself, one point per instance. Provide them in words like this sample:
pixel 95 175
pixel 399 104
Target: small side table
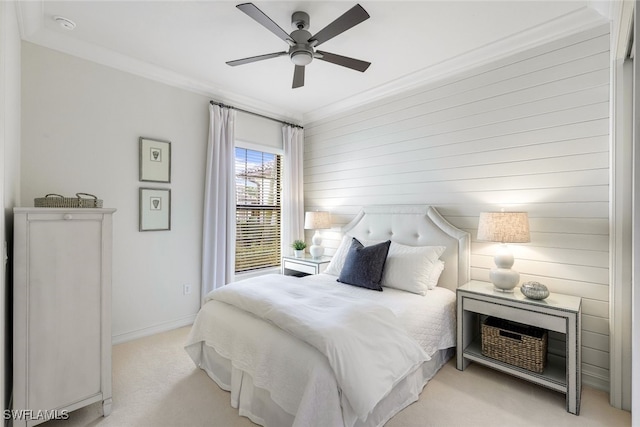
pixel 292 266
pixel 558 312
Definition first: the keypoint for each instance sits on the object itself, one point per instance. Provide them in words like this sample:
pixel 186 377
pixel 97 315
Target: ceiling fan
pixel 302 44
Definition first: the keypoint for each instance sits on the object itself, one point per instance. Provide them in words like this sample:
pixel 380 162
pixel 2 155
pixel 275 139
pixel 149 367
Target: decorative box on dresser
pixel 559 313
pixel 61 311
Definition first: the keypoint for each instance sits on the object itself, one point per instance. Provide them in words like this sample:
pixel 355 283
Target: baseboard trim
pixel 152 330
pixel 595 381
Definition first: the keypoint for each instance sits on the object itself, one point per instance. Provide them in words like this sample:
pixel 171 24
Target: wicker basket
pixel 514 343
pixel 58 201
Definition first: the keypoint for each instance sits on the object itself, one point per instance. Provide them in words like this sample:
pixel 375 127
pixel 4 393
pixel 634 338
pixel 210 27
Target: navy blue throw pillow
pixel 364 265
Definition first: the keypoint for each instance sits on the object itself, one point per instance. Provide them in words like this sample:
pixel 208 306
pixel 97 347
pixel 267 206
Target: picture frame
pixel 155 160
pixel 155 209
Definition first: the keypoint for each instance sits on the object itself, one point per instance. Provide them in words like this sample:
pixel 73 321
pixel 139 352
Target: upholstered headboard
pixel 417 226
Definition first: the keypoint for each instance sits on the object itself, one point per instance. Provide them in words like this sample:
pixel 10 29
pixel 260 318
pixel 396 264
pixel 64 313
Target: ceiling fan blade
pixel 349 19
pixel 255 13
pixel 298 77
pixel 255 58
pixel 345 61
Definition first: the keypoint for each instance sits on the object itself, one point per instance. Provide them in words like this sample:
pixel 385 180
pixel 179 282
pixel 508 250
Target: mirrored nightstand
pixel 292 266
pixel 559 313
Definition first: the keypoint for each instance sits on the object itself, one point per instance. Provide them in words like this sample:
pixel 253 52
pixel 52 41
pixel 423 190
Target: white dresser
pixel 61 312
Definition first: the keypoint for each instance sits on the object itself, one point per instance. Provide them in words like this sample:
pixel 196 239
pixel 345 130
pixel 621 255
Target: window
pixel 258 210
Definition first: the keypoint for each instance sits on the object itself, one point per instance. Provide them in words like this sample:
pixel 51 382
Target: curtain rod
pixel 220 104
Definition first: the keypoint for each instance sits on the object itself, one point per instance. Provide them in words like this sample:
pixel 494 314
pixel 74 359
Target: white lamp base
pixel 316 250
pixel 503 277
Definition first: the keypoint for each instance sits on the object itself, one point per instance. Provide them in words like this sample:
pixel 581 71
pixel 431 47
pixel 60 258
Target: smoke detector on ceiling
pixel 65 23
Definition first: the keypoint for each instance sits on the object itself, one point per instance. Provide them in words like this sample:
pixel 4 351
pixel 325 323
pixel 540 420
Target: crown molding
pixel 30 15
pixel 32 29
pixel 572 23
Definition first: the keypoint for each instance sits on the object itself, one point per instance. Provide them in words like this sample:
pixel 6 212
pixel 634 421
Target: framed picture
pixel 155 209
pixel 155 160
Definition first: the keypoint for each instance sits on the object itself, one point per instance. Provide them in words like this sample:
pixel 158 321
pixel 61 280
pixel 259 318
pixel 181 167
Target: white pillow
pixel 436 271
pixel 409 268
pixel 337 261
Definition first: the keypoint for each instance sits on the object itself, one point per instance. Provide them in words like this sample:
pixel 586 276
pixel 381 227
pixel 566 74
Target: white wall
pixel 529 132
pixel 9 170
pixel 80 127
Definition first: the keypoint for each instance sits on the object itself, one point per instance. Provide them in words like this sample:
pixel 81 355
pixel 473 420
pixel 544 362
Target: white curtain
pixel 292 189
pixel 219 228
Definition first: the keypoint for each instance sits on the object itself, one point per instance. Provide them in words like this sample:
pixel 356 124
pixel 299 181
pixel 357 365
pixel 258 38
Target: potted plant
pixel 298 248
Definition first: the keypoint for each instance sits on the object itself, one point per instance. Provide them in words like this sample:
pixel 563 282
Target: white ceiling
pixel 186 43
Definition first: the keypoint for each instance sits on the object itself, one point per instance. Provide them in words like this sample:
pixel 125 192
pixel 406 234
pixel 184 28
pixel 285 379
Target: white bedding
pixel 429 319
pixel 299 379
pixel 339 325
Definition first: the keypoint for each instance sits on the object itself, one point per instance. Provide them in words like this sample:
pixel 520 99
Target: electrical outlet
pixel 186 289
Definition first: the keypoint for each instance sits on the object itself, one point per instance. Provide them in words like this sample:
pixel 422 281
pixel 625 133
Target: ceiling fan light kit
pixel 302 44
pixel 301 57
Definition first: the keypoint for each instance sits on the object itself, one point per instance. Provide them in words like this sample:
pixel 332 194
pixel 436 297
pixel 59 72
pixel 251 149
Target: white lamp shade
pixel 317 220
pixel 504 227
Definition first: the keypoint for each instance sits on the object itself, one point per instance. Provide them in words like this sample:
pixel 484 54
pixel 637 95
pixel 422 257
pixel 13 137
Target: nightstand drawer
pixel 552 323
pixel 290 265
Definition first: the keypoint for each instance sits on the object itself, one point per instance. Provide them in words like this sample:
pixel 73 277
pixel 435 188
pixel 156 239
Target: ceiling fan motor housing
pixel 301 53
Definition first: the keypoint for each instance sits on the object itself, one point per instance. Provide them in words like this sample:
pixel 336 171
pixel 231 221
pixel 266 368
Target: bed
pixel 287 361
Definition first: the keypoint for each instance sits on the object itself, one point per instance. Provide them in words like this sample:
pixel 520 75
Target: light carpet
pixel 156 384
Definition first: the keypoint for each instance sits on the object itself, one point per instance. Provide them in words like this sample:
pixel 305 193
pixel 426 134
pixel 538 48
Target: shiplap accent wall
pixel 529 132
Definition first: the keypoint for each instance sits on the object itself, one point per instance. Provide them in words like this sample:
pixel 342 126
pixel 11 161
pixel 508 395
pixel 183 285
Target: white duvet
pixel 364 342
pixel 365 369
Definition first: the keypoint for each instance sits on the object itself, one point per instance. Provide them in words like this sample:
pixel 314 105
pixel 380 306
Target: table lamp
pixel 504 227
pixel 317 220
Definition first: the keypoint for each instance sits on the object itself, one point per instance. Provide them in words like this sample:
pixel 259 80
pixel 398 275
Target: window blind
pixel 258 209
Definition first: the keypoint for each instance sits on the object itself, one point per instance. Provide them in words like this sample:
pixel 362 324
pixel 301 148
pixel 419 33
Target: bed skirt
pixel 256 404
